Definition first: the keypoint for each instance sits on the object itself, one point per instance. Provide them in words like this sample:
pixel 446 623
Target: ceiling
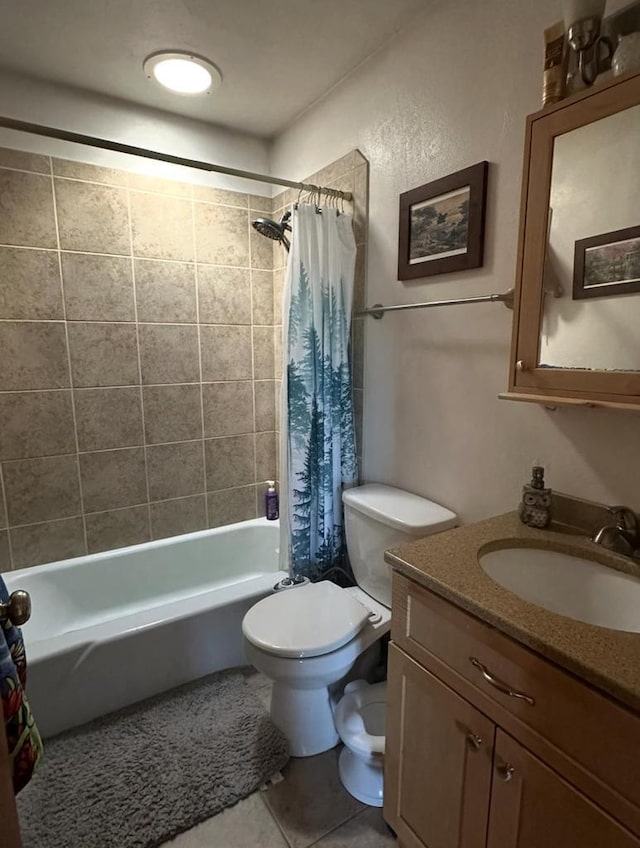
pixel 277 57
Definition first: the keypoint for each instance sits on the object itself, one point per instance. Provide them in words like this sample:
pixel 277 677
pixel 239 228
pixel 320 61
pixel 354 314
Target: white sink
pixel 568 585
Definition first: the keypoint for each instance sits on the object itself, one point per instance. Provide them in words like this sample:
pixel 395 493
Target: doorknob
pixel 17 610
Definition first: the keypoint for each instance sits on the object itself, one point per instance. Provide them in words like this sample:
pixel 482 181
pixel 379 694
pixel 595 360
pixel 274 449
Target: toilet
pixel 309 639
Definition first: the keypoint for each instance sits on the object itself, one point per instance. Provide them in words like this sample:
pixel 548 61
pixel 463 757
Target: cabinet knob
pixel 520 365
pixel 474 741
pixel 505 772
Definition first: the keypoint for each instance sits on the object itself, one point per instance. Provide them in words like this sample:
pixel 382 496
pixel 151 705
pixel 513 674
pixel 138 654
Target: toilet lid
pixel 307 621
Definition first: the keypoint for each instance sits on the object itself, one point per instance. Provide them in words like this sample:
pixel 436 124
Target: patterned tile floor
pixel 308 807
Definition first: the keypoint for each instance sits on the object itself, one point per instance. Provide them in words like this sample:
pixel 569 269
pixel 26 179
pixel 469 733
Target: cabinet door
pixel 533 807
pixel 9 831
pixel 437 761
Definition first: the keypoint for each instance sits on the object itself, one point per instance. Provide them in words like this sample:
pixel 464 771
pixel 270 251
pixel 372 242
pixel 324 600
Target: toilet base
pixel 305 717
pixel 362 778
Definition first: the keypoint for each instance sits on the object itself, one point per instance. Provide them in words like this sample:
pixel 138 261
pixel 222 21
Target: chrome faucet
pixel 623 537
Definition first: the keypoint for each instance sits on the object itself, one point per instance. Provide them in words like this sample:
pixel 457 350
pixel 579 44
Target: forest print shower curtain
pixel 318 451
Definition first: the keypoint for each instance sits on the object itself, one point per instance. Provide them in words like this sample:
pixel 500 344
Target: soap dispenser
pixel 272 510
pixel 535 507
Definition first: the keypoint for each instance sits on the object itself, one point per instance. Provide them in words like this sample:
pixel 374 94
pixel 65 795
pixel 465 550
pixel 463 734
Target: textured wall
pixel 137 358
pixel 453 89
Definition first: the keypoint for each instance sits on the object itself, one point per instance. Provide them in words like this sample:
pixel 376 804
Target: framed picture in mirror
pixel 607 264
pixel 442 224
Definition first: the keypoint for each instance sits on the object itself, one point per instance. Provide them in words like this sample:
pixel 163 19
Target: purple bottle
pixel 271 501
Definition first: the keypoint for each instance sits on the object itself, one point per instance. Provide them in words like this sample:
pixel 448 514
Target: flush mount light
pixel 183 73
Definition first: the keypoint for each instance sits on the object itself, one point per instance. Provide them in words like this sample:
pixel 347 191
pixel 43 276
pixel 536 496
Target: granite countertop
pixel 447 564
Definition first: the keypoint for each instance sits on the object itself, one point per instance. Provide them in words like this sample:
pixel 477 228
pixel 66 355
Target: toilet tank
pixel 379 517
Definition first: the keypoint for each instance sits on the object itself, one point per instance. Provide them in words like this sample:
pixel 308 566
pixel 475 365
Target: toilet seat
pixel 307 621
pixel 360 717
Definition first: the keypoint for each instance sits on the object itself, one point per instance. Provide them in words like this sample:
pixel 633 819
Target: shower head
pixel 273 230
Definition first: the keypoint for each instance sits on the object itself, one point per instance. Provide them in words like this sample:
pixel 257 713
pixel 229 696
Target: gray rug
pixel 137 777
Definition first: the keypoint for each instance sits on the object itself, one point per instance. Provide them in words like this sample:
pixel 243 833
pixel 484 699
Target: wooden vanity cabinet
pixel 533 807
pixel 462 771
pixel 438 761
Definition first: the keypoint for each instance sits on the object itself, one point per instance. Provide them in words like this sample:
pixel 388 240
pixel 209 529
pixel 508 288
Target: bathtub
pixel 110 629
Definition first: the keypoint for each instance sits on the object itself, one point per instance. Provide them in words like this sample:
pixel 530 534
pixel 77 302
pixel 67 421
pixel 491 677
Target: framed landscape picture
pixel 442 224
pixel 607 264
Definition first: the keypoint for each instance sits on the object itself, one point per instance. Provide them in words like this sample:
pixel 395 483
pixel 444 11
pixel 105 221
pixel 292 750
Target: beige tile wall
pixel 349 173
pixel 137 380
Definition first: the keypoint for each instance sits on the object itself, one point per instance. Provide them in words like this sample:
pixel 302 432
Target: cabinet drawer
pixel 529 696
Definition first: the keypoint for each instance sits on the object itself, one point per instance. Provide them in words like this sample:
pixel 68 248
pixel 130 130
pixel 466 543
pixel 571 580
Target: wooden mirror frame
pixel 528 381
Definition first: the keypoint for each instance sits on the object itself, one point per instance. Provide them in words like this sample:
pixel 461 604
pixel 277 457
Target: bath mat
pixel 139 776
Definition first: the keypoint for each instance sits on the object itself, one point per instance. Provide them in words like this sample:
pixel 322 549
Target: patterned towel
pixel 23 739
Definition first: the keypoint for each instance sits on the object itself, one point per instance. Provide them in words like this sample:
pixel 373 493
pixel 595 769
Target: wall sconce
pixel 582 21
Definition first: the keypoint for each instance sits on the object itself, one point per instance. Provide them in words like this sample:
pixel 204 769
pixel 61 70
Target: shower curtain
pixel 317 445
pixel 23 740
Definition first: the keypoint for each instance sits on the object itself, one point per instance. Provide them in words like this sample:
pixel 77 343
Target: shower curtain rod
pixel 106 144
pixel 378 310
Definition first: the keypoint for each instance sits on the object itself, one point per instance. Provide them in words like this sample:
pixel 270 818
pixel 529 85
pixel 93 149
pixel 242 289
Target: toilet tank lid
pixel 402 510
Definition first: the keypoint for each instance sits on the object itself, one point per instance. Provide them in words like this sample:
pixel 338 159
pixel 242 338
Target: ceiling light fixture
pixel 182 73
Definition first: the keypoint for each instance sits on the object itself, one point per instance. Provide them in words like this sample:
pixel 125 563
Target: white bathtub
pixel 110 629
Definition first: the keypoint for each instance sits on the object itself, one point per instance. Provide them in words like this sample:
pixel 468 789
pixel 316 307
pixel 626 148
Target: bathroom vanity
pixel 508 725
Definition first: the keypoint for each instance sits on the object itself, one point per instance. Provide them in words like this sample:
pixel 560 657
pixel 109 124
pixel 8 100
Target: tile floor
pixel 308 807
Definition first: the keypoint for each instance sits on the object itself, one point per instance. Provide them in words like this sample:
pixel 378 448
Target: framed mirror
pixel 576 336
